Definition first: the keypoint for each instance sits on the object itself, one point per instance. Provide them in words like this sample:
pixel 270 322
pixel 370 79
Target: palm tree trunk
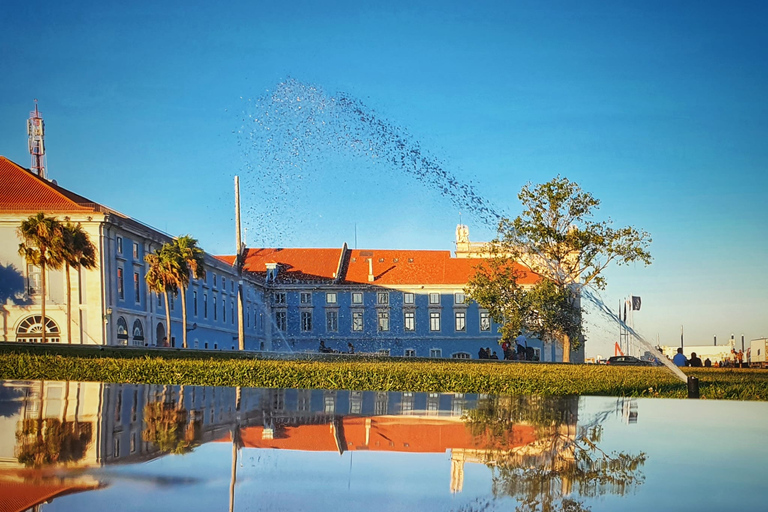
pixel 167 319
pixel 42 276
pixel 69 306
pixel 183 317
pixel 566 348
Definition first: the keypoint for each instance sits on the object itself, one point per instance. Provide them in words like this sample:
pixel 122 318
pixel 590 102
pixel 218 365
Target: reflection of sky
pixel 702 455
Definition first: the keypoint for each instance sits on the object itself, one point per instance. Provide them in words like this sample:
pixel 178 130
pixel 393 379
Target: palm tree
pixel 190 263
pixel 41 244
pixel 160 279
pixel 78 252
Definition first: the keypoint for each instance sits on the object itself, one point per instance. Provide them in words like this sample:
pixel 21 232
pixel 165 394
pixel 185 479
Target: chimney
pixel 370 270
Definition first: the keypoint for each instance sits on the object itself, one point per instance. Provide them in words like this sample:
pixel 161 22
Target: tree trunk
pixel 167 320
pixel 566 348
pixel 183 317
pixel 69 306
pixel 42 277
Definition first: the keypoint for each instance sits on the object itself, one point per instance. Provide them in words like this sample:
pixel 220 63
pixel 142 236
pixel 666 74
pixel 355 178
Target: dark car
pixel 627 361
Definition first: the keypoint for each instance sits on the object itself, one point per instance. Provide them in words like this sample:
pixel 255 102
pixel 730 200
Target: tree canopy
pixel 556 237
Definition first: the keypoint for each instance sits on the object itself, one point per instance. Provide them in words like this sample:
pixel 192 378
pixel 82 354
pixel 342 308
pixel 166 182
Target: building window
pixel 461 321
pixel 434 298
pixel 434 320
pixel 223 284
pixel 408 298
pixel 305 298
pixel 119 245
pixel 33 280
pixel 215 311
pixel 278 298
pixel 116 446
pixel 382 298
pixel 135 251
pixel 383 352
pixel 232 312
pixel 410 321
pixel 214 280
pixel 435 352
pixel 136 287
pixel 409 352
pixel 485 321
pixel 357 297
pixel 224 310
pixel 383 320
pixel 133 442
pixel 330 298
pixel 281 320
pixel 332 321
pixel 194 302
pixel 120 284
pixel 357 320
pixel 232 286
pixel 205 305
pixel 306 321
pixel 459 298
pixel 461 355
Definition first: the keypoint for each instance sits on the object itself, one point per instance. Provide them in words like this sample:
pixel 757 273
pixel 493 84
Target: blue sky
pixel 657 108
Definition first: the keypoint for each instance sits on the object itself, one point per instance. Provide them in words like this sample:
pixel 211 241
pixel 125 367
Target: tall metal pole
pixel 239 263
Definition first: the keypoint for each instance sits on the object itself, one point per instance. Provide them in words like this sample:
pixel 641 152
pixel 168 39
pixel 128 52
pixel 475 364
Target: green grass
pixel 163 366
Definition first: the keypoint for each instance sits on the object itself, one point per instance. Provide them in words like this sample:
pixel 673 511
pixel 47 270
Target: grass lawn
pixel 203 368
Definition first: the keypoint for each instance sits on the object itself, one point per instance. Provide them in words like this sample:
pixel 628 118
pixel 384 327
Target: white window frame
pixel 279 298
pixel 435 352
pixel 487 326
pixel 305 318
pixel 434 298
pixel 383 320
pixel 460 315
pixel 409 298
pixel 281 320
pixel 330 298
pixel 459 298
pixel 331 313
pixel 357 297
pixel 305 298
pixel 382 298
pixel 432 316
pixel 358 315
pixel 409 352
pixel 409 315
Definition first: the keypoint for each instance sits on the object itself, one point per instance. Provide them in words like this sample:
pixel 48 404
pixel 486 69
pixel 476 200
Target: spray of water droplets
pixel 298 136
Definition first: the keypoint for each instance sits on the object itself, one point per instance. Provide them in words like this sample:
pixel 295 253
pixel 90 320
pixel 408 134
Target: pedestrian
pixel 707 363
pixel 494 356
pixel 351 347
pixel 680 359
pixel 694 361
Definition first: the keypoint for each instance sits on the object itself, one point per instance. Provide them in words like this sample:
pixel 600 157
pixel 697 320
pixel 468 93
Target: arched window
pixel 160 338
pixel 31 328
pixel 138 333
pixel 122 331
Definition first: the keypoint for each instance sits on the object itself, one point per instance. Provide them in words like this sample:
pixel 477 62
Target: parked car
pixel 627 361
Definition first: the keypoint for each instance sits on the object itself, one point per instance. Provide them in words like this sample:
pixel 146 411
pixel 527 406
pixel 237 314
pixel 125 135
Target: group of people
pixel 510 352
pixel 737 360
pixel 327 350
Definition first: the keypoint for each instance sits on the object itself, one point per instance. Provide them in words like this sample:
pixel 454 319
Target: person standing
pixel 695 360
pixel 680 359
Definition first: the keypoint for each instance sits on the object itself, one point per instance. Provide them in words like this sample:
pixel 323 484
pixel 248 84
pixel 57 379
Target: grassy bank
pixel 361 373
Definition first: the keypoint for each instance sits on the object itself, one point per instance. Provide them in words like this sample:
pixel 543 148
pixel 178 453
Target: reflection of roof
pixel 381 433
pixel 17 496
pixel 390 267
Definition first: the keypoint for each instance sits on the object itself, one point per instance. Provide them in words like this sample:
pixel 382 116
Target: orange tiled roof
pixel 18 496
pixel 390 267
pixel 387 433
pixel 23 191
pixel 295 264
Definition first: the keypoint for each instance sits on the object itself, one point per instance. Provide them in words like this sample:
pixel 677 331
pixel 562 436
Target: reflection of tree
pixel 564 461
pixel 49 441
pixel 168 429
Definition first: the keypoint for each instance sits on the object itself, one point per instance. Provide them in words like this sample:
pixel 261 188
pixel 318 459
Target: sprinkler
pixel 693 387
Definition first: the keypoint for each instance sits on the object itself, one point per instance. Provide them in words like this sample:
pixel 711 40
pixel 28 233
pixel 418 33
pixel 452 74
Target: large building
pixel 407 303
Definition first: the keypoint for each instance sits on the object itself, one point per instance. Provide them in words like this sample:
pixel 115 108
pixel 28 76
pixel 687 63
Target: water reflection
pixel 219 445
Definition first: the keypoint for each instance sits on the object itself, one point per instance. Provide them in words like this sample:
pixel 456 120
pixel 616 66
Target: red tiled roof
pixel 23 191
pixel 387 433
pixel 18 496
pixel 390 267
pixel 295 264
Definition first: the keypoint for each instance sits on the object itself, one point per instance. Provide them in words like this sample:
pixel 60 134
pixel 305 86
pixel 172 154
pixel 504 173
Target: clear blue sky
pixel 657 108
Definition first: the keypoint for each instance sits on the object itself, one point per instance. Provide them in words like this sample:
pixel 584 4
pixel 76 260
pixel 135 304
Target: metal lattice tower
pixel 36 132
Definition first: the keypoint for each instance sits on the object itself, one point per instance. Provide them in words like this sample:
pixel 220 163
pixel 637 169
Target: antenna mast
pixel 36 133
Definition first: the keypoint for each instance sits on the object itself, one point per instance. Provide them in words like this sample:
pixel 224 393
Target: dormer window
pixel 272 271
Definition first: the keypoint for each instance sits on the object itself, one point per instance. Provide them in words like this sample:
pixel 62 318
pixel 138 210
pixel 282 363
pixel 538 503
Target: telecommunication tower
pixel 36 132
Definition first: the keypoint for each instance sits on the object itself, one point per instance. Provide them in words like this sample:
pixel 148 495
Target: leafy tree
pixel 160 279
pixel 190 264
pixel 42 242
pixel 168 427
pixel 557 239
pixel 78 252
